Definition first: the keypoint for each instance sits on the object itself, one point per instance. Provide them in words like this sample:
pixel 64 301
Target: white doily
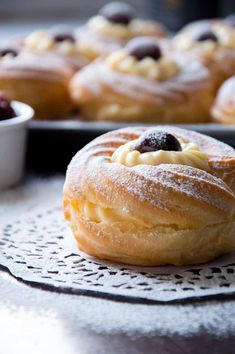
pixel 39 249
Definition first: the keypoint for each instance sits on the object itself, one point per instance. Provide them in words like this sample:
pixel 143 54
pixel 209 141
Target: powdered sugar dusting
pixel 160 186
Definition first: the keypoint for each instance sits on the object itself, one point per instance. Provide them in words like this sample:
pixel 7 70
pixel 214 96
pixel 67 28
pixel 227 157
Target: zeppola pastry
pixel 112 28
pixel 152 197
pixel 60 42
pixel 213 44
pixel 143 83
pixel 223 109
pixel 42 82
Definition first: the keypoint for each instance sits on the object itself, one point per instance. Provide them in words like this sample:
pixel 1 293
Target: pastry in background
pixel 59 41
pixel 212 44
pixel 151 197
pixel 223 109
pixel 115 24
pixel 40 81
pixel 142 83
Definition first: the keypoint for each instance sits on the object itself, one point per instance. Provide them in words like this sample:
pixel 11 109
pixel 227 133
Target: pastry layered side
pixel 103 91
pixel 40 81
pixel 223 109
pixel 152 213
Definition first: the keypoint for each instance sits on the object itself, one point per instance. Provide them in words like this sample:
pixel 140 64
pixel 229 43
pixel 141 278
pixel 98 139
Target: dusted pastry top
pixel 160 70
pixel 207 36
pixel 25 64
pixel 149 150
pixel 143 57
pixel 45 41
pixel 135 27
pixel 96 199
pixel 118 20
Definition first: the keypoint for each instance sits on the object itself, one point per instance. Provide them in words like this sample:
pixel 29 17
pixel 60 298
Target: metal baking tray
pixel 52 144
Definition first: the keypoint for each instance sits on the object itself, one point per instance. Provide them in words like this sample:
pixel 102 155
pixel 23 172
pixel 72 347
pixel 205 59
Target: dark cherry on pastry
pixel 6 51
pixel 61 37
pixel 118 12
pixel 207 36
pixel 141 48
pixel 6 111
pixel 155 140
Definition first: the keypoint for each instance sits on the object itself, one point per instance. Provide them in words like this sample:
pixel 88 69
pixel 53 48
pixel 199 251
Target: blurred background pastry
pixel 40 81
pixel 212 44
pixel 115 24
pixel 143 83
pixel 223 109
pixel 59 41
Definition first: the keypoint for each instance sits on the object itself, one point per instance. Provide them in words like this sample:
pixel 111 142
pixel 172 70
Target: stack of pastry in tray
pixel 119 67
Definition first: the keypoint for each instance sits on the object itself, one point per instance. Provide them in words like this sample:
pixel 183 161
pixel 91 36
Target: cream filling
pixel 159 70
pixel 136 27
pixel 191 155
pixel 42 41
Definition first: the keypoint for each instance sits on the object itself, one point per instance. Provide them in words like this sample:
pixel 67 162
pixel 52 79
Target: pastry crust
pixel 150 215
pixel 223 109
pixel 105 94
pixel 40 81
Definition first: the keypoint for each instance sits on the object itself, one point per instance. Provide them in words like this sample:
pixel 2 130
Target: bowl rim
pixel 24 114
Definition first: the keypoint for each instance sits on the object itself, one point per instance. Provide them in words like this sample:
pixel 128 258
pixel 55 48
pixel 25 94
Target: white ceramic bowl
pixel 13 133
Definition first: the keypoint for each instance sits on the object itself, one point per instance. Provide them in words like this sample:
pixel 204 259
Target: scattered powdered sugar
pixel 192 78
pixel 98 315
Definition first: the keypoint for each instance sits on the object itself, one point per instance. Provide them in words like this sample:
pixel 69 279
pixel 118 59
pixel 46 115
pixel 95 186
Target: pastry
pixel 152 197
pixel 40 81
pixel 112 28
pixel 144 83
pixel 60 41
pixel 212 44
pixel 223 109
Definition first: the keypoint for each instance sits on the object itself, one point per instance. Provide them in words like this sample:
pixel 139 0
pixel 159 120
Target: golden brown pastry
pixel 150 197
pixel 60 42
pixel 223 109
pixel 142 83
pixel 40 81
pixel 112 28
pixel 213 44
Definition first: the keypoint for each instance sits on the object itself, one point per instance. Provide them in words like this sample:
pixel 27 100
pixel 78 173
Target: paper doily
pixel 39 249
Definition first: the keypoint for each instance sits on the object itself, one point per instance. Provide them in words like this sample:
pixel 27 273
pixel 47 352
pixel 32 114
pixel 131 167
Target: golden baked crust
pixel 105 94
pixel 150 215
pixel 40 81
pixel 223 109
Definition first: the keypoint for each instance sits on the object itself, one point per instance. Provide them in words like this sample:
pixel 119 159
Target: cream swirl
pixel 159 70
pixel 191 155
